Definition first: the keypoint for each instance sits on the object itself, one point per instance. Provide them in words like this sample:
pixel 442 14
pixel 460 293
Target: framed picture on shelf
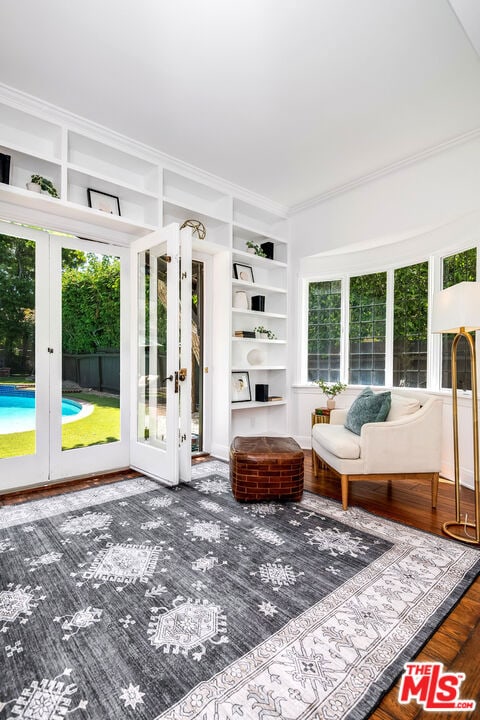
pixel 103 201
pixel 243 272
pixel 5 168
pixel 241 387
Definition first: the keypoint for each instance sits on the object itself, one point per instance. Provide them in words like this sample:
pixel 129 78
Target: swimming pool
pixel 17 410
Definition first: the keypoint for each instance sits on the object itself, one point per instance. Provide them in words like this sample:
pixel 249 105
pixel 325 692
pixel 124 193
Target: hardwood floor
pixel 456 643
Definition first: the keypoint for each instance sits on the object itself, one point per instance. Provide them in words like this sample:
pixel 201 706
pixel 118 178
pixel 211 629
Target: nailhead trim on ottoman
pixel 263 468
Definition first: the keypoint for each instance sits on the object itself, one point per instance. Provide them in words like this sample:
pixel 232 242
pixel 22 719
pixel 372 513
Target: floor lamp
pixel 457 310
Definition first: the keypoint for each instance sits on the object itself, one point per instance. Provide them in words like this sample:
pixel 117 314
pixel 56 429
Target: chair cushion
pixel 366 408
pixel 337 440
pixel 402 405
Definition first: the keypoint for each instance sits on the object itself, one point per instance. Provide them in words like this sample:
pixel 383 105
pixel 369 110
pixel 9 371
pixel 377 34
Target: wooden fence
pixel 99 371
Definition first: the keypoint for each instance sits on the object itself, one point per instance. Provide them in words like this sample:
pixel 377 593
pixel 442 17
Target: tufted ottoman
pixel 263 468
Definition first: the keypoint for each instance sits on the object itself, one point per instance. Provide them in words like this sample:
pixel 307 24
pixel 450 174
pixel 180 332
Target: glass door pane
pixel 152 350
pixel 17 347
pixel 24 357
pixel 197 356
pixel 90 348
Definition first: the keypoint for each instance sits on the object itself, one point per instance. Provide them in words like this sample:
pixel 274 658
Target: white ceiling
pixel 288 98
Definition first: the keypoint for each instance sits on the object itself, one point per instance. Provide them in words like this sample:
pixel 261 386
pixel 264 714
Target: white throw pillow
pixel 401 406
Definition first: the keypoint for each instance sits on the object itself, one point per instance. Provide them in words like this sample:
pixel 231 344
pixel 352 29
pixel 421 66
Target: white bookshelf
pixel 264 360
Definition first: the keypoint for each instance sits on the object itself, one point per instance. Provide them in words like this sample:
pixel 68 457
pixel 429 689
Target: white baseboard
pixel 305 441
pixel 221 452
pixel 466 476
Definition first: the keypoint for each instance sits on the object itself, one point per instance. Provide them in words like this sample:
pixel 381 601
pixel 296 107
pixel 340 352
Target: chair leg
pixel 434 489
pixel 315 463
pixel 344 484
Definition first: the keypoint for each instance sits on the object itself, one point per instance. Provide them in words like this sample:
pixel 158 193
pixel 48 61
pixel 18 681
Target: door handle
pixel 182 374
pixel 170 377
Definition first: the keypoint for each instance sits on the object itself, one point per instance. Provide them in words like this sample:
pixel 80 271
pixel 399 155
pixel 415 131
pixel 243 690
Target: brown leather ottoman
pixel 263 468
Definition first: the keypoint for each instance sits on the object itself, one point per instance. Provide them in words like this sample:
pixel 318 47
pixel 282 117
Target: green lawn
pixel 101 426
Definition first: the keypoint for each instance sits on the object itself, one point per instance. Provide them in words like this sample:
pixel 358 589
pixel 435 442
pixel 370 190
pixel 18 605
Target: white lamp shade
pixel 456 307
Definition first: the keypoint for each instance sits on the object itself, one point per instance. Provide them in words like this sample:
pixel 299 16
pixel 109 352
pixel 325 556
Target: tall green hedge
pixel 91 306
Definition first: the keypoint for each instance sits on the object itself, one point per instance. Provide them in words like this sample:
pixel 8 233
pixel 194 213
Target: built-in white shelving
pixel 265 361
pixel 78 157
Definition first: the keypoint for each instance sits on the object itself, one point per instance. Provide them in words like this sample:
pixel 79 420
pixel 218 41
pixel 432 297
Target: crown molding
pixel 386 170
pixel 49 112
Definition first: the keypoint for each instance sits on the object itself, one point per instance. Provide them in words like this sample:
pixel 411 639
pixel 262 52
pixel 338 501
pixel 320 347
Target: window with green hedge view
pixel 368 301
pixel 367 348
pixel 324 325
pixel 410 326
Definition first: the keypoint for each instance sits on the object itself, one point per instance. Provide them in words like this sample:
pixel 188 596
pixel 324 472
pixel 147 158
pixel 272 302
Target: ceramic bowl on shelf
pixel 256 357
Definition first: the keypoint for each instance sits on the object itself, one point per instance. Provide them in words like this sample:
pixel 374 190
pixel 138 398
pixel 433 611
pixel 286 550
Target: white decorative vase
pixel 35 187
pixel 330 403
pixel 240 300
pixel 251 250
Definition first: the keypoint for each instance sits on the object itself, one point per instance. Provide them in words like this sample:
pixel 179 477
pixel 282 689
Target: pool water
pixel 17 411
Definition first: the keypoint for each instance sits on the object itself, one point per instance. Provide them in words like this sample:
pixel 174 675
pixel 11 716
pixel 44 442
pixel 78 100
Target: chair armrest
pixel 338 416
pixel 410 444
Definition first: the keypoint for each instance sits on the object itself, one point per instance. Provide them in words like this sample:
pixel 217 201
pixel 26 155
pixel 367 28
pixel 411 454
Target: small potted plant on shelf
pixel 255 249
pixel 38 184
pixel 263 333
pixel 331 390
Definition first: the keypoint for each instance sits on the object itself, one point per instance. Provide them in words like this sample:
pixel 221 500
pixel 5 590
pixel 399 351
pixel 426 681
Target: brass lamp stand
pixel 458 524
pixel 457 310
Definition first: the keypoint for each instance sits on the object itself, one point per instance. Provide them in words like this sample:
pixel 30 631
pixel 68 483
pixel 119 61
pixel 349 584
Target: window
pixel 457 268
pixel 410 323
pixel 376 331
pixel 368 299
pixel 324 324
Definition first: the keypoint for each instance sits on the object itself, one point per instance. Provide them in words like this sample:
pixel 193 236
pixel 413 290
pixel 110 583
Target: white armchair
pixel 407 444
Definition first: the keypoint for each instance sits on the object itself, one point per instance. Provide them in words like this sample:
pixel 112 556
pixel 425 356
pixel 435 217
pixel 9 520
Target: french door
pixel 63 397
pixel 88 347
pixel 72 337
pixel 161 359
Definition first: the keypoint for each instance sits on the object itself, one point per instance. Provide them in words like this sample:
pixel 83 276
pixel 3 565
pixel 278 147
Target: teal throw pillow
pixel 366 408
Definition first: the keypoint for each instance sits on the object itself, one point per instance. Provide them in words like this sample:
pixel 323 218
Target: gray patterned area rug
pixel 133 600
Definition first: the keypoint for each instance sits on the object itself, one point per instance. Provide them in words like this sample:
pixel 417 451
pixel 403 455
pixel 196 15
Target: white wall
pixel 403 203
pixel 403 216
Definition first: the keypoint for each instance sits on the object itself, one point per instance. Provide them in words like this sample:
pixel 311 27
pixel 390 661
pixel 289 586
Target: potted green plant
pixel 331 390
pixel 264 334
pixel 255 249
pixel 38 184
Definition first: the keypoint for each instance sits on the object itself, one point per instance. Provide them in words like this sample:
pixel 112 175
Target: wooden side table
pixel 320 418
pixel 324 417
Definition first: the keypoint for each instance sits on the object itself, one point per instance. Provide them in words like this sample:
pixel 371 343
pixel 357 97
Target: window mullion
pixel 434 354
pixel 345 330
pixel 389 320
